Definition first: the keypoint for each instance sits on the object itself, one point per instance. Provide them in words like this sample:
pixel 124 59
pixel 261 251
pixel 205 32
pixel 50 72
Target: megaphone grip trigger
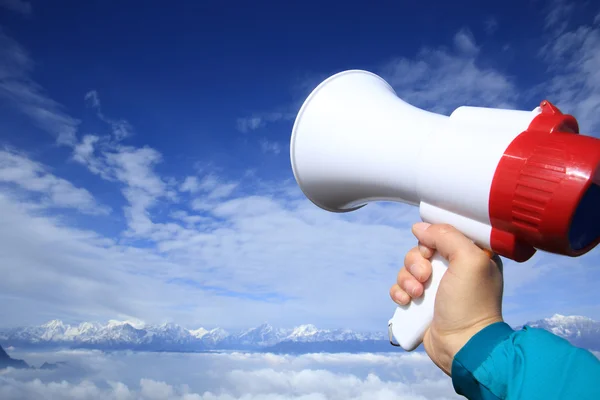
pixel 410 322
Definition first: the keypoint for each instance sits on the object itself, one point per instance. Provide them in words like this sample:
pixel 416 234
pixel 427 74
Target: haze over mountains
pixel 126 335
pixel 7 361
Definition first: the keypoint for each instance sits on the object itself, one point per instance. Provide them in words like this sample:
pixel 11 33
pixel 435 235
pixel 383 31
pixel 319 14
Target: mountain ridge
pixel 7 361
pixel 120 335
pixel 133 335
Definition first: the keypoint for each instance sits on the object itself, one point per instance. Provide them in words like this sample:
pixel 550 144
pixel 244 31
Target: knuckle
pixel 410 256
pixel 399 277
pixel 445 229
pixel 403 275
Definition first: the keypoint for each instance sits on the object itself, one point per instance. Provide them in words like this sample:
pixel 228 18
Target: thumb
pixel 447 240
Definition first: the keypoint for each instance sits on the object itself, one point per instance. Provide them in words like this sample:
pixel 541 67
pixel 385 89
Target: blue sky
pixel 144 168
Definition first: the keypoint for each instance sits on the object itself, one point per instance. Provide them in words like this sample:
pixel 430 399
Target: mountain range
pixel 121 335
pixel 127 335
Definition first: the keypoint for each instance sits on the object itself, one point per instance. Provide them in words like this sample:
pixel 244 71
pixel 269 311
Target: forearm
pixel 500 363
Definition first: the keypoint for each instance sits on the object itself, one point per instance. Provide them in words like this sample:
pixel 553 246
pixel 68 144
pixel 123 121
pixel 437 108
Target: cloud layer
pixel 124 376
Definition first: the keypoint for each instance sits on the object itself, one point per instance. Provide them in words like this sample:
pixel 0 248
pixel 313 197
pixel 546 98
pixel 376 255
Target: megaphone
pixel 512 181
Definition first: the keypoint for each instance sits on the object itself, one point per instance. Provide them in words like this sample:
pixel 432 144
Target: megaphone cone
pixel 349 134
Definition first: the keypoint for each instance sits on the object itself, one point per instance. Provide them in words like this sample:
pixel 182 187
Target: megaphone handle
pixel 409 323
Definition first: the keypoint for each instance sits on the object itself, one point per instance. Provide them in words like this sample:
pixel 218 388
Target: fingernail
pixel 425 251
pixel 412 287
pixel 415 270
pixel 421 226
pixel 414 291
pixel 401 297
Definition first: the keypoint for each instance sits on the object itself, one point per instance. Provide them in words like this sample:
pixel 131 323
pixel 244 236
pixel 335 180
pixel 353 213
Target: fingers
pixel 417 264
pixel 406 289
pixel 416 271
pixel 409 284
pixel 447 240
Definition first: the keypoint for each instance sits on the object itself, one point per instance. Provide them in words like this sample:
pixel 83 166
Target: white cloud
pixel 216 188
pixel 490 25
pixel 121 129
pixel 557 13
pixel 249 123
pixel 134 168
pixel 211 185
pixel 208 191
pixel 17 87
pixel 87 151
pixel 254 122
pixel 72 273
pixel 574 62
pixel 188 218
pixel 464 41
pixel 18 170
pixel 190 184
pixel 19 6
pixel 268 146
pixel 441 79
pixel 92 98
pixel 231 376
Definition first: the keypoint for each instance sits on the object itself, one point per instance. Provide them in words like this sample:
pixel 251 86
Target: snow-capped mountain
pixel 581 331
pixel 117 335
pixel 262 336
pixel 199 333
pixel 128 335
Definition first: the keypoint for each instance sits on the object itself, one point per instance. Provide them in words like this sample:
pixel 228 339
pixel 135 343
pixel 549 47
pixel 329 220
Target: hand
pixel 469 297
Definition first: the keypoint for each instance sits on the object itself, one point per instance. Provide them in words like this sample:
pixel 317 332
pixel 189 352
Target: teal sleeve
pixel 501 363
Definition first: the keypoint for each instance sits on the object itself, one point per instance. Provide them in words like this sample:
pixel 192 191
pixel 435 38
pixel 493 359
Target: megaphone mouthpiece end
pixel 304 126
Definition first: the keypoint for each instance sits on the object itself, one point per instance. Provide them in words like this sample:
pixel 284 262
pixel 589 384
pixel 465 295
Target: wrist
pixel 468 334
pixel 456 341
pixel 475 366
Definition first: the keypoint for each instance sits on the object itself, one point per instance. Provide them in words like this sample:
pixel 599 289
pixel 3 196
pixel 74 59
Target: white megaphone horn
pixel 496 175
